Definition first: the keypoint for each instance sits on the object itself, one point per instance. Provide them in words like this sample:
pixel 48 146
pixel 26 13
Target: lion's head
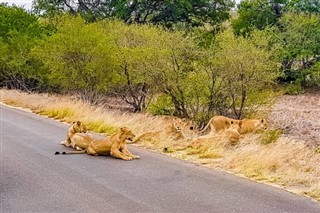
pixel 263 124
pixel 79 127
pixel 128 134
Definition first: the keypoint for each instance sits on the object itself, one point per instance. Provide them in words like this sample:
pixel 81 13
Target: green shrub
pixel 270 136
pixel 162 105
pixel 293 89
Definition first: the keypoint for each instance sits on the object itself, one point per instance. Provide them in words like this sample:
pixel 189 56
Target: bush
pixel 270 136
pixel 162 105
pixel 294 89
pixel 311 77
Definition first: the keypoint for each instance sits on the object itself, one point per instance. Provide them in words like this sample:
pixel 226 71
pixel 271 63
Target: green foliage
pixel 61 113
pixel 241 67
pixel 305 6
pixel 77 57
pixel 293 89
pixel 19 32
pixel 301 36
pixel 16 21
pixel 167 13
pixel 270 136
pixel 101 127
pixel 300 40
pixel 257 14
pixel 162 105
pixel 311 77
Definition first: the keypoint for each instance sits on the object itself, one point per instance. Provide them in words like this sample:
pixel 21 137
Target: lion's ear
pixel 73 122
pixel 240 124
pixel 79 123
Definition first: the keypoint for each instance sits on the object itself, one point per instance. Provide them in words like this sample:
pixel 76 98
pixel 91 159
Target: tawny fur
pixel 219 123
pixel 114 145
pixel 76 127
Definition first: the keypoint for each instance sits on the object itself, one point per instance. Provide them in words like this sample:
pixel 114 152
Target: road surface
pixel 33 179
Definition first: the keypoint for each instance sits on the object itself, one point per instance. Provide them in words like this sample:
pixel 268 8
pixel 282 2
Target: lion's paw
pixel 78 148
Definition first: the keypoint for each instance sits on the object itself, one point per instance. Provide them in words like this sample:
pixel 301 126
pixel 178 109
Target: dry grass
pixel 298 117
pixel 270 156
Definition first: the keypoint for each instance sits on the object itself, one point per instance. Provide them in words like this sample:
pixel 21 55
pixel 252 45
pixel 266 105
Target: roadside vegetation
pixel 273 156
pixel 135 63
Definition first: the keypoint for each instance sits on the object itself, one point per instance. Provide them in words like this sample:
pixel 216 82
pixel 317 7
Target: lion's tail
pixel 71 152
pixel 136 139
pixel 207 126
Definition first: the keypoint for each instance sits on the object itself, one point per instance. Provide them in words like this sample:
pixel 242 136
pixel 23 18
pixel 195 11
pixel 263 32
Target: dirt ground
pixel 298 116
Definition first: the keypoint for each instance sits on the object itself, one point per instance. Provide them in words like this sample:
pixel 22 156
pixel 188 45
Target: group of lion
pixel 231 129
pixel 116 145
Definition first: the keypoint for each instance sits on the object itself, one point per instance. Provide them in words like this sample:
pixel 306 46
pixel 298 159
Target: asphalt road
pixel 33 179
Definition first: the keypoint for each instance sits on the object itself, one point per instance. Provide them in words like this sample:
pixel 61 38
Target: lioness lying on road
pixel 76 127
pixel 114 145
pixel 81 141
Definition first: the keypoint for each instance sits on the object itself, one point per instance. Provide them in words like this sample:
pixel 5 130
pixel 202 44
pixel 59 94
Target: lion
pixel 176 127
pixel 114 145
pixel 76 127
pixel 230 135
pixel 81 141
pixel 219 123
pixel 252 125
pixel 233 132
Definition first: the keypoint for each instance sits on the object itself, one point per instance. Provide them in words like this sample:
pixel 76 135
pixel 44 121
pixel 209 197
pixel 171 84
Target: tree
pixel 258 14
pixel 305 6
pixel 241 68
pixel 132 45
pixel 170 65
pixel 78 57
pixel 167 12
pixel 300 42
pixel 19 32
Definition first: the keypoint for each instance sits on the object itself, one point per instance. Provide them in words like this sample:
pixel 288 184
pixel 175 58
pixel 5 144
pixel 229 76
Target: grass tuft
pixel 270 136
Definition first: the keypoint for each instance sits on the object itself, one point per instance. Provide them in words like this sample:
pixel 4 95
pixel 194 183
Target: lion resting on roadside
pixel 177 128
pixel 76 127
pixel 233 132
pixel 219 123
pixel 248 125
pixel 251 125
pixel 230 135
pixel 114 145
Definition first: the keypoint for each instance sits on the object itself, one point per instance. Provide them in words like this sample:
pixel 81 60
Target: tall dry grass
pixel 268 156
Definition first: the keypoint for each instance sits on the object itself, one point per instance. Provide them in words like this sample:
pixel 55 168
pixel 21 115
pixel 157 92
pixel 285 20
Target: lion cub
pixel 114 145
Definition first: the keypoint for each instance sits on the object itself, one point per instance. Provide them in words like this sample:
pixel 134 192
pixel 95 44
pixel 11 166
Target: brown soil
pixel 298 116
